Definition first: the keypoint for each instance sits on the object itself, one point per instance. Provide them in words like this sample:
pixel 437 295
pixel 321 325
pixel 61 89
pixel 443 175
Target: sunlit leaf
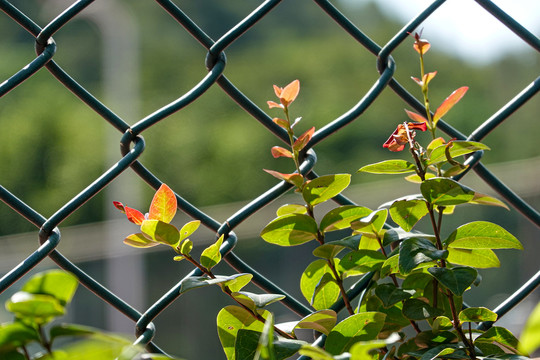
pixel 325 187
pixel 278 151
pixel 189 228
pixel 459 148
pixel 482 235
pixel 361 261
pixel 529 340
pixel 289 230
pixel 163 205
pixel 310 281
pixel 281 122
pixel 448 103
pixel 259 300
pixel 359 327
pixel 289 93
pixel 483 199
pixel 341 217
pixel 34 308
pixel 499 335
pixel 186 247
pixel 407 213
pixel 389 167
pixel 161 232
pixel 139 240
pixel 57 283
pixel 322 321
pixel 133 215
pixel 330 249
pixel 16 334
pixel 303 139
pixel 478 258
pixel 372 223
pixel 211 256
pixel 291 209
pixel 194 282
pixel 414 116
pixel 294 178
pixel 444 191
pixel 230 320
pixel 477 314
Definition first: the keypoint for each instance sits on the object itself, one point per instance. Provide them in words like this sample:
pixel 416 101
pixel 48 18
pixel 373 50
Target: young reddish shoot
pixel 164 205
pixel 449 102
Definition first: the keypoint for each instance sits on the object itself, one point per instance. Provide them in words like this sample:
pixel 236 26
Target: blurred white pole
pixel 124 275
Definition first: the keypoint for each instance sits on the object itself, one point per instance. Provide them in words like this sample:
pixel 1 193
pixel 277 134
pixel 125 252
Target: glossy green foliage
pixel 406 213
pixel 211 256
pixel 389 167
pixel 359 327
pixel 324 188
pixel 318 285
pixel 444 192
pixel 290 230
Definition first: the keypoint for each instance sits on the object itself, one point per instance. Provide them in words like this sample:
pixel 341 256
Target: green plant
pixel 413 306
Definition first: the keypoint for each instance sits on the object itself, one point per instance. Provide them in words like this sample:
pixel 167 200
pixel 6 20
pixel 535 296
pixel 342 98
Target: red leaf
pixel 119 206
pixel 302 141
pixel 415 116
pixel 278 151
pixel 163 206
pixel 294 178
pixel 428 77
pixel 135 216
pixel 449 102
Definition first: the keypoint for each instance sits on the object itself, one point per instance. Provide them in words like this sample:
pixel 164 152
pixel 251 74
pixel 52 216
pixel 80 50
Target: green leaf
pixel 72 330
pixel 290 230
pixel 483 199
pixel 477 314
pixel 359 327
pixel 415 251
pixel 265 346
pixel 390 266
pixel 482 235
pixel 315 353
pixel 325 187
pixel 236 282
pixel 416 309
pixel 389 167
pixel 530 336
pixel 256 301
pixel 161 232
pixel 442 323
pixel 194 282
pixel 407 213
pixel 57 283
pixel 291 209
pixel 361 350
pixel 499 335
pixel 371 224
pixel 390 294
pixel 12 355
pixel 478 258
pixel 438 352
pixel 444 191
pixel 310 281
pixel 458 148
pixel 186 247
pixel 211 256
pixel 139 240
pixel 16 334
pixel 457 279
pixel 361 261
pixel 34 308
pixel 322 321
pixel 448 103
pixel 341 217
pixel 230 320
pixel 189 228
pixel 163 205
pixel 330 249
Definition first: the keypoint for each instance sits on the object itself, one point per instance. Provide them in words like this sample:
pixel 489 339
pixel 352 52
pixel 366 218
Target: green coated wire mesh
pixel 133 145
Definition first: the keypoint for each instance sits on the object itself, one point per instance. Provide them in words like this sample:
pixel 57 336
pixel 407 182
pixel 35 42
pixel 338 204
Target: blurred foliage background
pixel 212 152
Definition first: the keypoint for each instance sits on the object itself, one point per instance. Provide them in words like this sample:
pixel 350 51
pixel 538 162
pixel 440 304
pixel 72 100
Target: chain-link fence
pixel 133 145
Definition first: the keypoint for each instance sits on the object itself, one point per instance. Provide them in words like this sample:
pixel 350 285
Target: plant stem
pixel 457 326
pixel 46 344
pixel 339 282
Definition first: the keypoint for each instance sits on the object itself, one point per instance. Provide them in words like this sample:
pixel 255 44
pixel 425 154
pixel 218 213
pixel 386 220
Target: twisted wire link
pixel 132 145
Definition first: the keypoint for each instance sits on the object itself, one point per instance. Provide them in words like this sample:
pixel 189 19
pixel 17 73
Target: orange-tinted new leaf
pixel 281 122
pixel 278 151
pixel 302 141
pixel 294 178
pixel 415 116
pixel 449 102
pixel 119 206
pixel 163 206
pixel 289 93
pixel 273 104
pixel 133 215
